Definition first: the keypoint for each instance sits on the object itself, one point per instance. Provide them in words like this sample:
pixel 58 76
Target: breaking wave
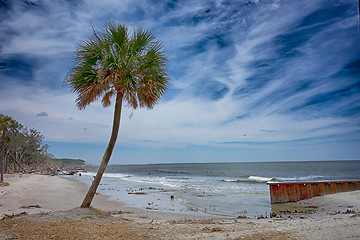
pixel 250 179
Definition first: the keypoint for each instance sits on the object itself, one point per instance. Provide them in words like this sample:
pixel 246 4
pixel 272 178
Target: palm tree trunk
pixel 2 154
pixel 115 130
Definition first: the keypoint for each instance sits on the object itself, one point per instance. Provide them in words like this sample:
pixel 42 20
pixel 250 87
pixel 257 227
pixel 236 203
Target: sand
pixel 51 206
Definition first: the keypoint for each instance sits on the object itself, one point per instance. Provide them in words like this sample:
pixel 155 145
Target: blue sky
pixel 250 80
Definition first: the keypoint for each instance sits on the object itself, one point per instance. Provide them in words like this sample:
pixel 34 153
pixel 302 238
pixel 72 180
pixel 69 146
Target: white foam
pixel 311 177
pixel 259 179
pixel 230 180
pixel 107 175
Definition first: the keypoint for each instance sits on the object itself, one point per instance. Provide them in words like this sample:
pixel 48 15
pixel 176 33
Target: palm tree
pixel 117 63
pixel 5 122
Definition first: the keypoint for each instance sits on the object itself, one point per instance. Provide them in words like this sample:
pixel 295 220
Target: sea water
pixel 213 189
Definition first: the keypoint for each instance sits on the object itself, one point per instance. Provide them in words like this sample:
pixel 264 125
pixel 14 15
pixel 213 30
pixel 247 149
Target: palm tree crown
pixel 115 62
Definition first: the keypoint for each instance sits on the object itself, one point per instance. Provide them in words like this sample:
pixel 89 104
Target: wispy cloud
pixel 42 114
pixel 243 73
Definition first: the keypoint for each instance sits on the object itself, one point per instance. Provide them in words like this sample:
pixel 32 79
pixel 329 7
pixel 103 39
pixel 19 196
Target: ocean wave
pixel 108 175
pixel 305 178
pixel 236 180
pixel 170 171
pixel 230 180
pixel 260 179
pixel 250 179
pixel 143 179
pixel 173 182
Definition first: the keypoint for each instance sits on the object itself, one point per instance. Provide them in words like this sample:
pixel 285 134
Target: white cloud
pixel 186 119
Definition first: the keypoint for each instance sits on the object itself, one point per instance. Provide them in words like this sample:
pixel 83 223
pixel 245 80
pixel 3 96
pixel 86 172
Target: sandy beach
pixel 46 207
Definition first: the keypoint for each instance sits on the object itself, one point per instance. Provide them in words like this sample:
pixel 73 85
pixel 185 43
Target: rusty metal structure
pixel 281 192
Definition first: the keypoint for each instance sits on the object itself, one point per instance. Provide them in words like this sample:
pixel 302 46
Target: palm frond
pixel 106 100
pixel 112 62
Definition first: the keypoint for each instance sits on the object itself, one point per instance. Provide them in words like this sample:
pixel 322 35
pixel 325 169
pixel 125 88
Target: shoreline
pixel 54 199
pixel 59 193
pixel 155 195
pixel 41 194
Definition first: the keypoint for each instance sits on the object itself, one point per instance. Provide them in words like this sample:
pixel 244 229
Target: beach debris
pixel 152 208
pixel 31 206
pixel 273 215
pixel 214 229
pixel 154 188
pixel 3 184
pixel 137 193
pixel 217 229
pixel 112 213
pixel 70 172
pixel 262 216
pixel 349 211
pixel 242 217
pixel 192 209
pixel 311 206
pixel 7 216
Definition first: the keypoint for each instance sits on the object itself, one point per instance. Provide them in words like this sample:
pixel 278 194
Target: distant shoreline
pixel 192 163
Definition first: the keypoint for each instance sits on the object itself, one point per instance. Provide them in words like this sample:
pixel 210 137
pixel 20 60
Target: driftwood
pixel 31 206
pixel 16 161
pixel 7 216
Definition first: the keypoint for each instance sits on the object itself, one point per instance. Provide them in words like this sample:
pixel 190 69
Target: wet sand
pixel 51 206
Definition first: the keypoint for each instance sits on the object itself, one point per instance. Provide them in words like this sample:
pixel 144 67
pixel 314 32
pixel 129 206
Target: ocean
pixel 212 189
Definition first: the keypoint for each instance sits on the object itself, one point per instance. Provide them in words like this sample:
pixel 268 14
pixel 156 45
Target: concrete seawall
pixel 295 191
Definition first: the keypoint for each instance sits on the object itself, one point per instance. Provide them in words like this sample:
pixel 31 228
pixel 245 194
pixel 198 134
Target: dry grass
pixel 104 227
pixel 95 224
pixel 72 229
pixel 268 236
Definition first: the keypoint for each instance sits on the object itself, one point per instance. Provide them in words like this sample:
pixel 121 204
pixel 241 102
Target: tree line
pixel 21 147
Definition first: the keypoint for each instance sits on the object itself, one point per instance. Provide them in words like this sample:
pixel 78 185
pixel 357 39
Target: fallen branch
pixel 16 161
pixel 31 206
